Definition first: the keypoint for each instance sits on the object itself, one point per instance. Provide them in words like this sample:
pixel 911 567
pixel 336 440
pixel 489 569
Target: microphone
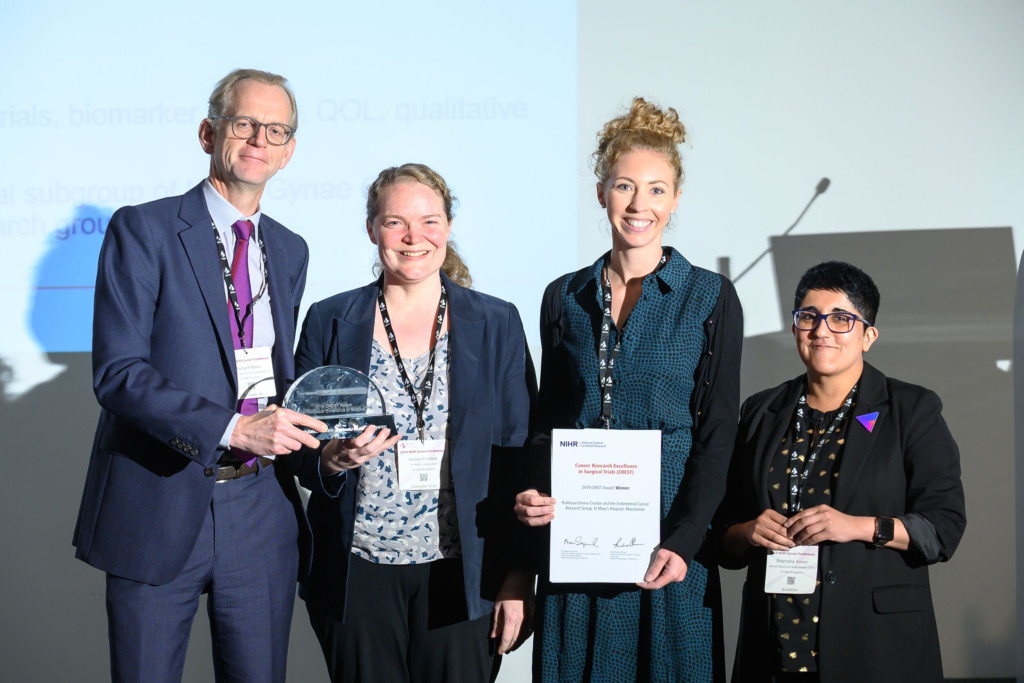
pixel 818 190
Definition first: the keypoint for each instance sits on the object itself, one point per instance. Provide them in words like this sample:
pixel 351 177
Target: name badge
pixel 792 571
pixel 255 373
pixel 419 464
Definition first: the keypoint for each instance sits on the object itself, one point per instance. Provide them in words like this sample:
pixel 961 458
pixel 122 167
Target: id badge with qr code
pixel 419 464
pixel 791 571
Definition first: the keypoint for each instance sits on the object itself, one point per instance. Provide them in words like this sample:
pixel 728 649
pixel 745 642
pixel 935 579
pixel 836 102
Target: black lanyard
pixel 240 317
pixel 606 357
pixel 419 402
pixel 797 478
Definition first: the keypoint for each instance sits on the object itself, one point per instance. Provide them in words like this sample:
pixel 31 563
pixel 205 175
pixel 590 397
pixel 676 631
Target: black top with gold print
pixel 795 617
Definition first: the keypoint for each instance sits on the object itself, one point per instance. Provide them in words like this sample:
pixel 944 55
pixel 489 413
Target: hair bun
pixel 644 126
pixel 649 117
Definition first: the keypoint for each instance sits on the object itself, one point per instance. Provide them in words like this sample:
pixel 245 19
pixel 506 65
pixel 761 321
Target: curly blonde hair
pixel 644 126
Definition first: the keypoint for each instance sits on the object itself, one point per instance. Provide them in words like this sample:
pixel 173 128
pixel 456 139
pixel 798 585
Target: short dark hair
pixel 836 276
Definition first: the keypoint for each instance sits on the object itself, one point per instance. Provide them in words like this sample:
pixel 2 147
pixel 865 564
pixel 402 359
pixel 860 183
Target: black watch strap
pixel 884 530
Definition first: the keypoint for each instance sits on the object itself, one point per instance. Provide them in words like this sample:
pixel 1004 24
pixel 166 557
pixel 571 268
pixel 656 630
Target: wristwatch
pixel 884 528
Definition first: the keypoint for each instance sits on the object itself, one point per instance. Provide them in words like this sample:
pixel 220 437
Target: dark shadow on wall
pixel 1018 403
pixel 6 375
pixel 52 601
pixel 61 313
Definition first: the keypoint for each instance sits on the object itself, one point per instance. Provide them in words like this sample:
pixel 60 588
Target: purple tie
pixel 243 290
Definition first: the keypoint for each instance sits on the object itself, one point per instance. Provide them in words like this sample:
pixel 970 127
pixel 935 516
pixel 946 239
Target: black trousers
pixel 784 677
pixel 406 624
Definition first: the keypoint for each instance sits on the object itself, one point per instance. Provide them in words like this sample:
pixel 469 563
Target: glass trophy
pixel 343 398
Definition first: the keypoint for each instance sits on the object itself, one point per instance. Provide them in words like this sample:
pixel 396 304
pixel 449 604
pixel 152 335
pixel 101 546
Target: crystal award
pixel 343 398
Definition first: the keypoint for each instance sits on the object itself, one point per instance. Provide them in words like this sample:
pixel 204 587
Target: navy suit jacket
pixel 164 375
pixel 877 621
pixel 491 387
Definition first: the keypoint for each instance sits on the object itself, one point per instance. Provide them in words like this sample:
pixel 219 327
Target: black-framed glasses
pixel 245 128
pixel 839 322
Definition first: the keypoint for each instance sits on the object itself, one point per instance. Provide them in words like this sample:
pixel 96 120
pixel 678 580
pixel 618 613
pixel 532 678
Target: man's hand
pixel 274 431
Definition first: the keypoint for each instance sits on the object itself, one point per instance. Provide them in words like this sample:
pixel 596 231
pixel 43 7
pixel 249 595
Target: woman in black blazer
pixel 416 581
pixel 858 469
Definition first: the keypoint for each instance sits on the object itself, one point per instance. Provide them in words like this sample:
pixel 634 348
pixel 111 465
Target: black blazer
pixel 876 617
pixel 492 386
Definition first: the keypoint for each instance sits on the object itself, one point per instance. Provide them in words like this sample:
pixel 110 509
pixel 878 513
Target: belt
pixel 236 470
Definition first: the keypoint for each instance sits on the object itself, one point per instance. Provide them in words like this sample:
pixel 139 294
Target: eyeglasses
pixel 245 128
pixel 840 322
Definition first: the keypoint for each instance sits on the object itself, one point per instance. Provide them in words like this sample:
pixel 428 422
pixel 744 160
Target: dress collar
pixel 670 277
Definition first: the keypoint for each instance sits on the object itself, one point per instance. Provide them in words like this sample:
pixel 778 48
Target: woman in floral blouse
pixel 413 571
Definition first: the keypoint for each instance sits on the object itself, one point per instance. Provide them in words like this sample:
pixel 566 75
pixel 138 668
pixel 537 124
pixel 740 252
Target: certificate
pixel 607 520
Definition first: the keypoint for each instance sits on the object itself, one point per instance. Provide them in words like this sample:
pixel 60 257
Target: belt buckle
pixel 237 471
pixel 229 472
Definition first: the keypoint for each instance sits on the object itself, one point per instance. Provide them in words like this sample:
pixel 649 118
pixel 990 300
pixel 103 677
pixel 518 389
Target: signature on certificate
pixel 631 543
pixel 579 541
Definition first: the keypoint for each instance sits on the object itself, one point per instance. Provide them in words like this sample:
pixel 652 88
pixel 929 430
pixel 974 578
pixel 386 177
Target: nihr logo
pixel 569 444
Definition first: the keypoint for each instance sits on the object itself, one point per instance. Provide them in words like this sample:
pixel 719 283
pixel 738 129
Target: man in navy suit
pixel 192 349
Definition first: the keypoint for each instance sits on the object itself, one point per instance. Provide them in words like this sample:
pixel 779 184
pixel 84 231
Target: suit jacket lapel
pixel 352 331
pixel 872 396
pixel 197 239
pixel 350 345
pixel 778 414
pixel 465 341
pixel 281 310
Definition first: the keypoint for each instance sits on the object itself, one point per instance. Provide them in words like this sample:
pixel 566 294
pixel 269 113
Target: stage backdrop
pixel 912 110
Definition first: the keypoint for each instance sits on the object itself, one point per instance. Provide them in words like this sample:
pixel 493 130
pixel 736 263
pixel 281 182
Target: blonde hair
pixel 453 265
pixel 644 126
pixel 222 97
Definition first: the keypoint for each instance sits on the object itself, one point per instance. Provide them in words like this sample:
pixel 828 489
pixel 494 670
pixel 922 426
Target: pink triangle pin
pixel 868 420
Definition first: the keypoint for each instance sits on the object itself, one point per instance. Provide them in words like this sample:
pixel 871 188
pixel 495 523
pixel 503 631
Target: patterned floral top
pixel 407 527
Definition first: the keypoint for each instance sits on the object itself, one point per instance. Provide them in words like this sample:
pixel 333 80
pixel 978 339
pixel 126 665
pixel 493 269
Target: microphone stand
pixel 820 189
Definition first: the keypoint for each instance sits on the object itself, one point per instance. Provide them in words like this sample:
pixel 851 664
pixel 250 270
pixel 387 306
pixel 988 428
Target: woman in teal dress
pixel 674 334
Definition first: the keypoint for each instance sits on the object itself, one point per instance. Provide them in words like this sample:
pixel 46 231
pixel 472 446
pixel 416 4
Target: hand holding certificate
pixel 608 487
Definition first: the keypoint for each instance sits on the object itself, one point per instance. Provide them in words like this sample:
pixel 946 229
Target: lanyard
pixel 419 402
pixel 240 317
pixel 606 357
pixel 798 479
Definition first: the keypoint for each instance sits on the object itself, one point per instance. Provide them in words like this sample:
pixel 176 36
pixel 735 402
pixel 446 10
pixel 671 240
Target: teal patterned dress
pixel 678 371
